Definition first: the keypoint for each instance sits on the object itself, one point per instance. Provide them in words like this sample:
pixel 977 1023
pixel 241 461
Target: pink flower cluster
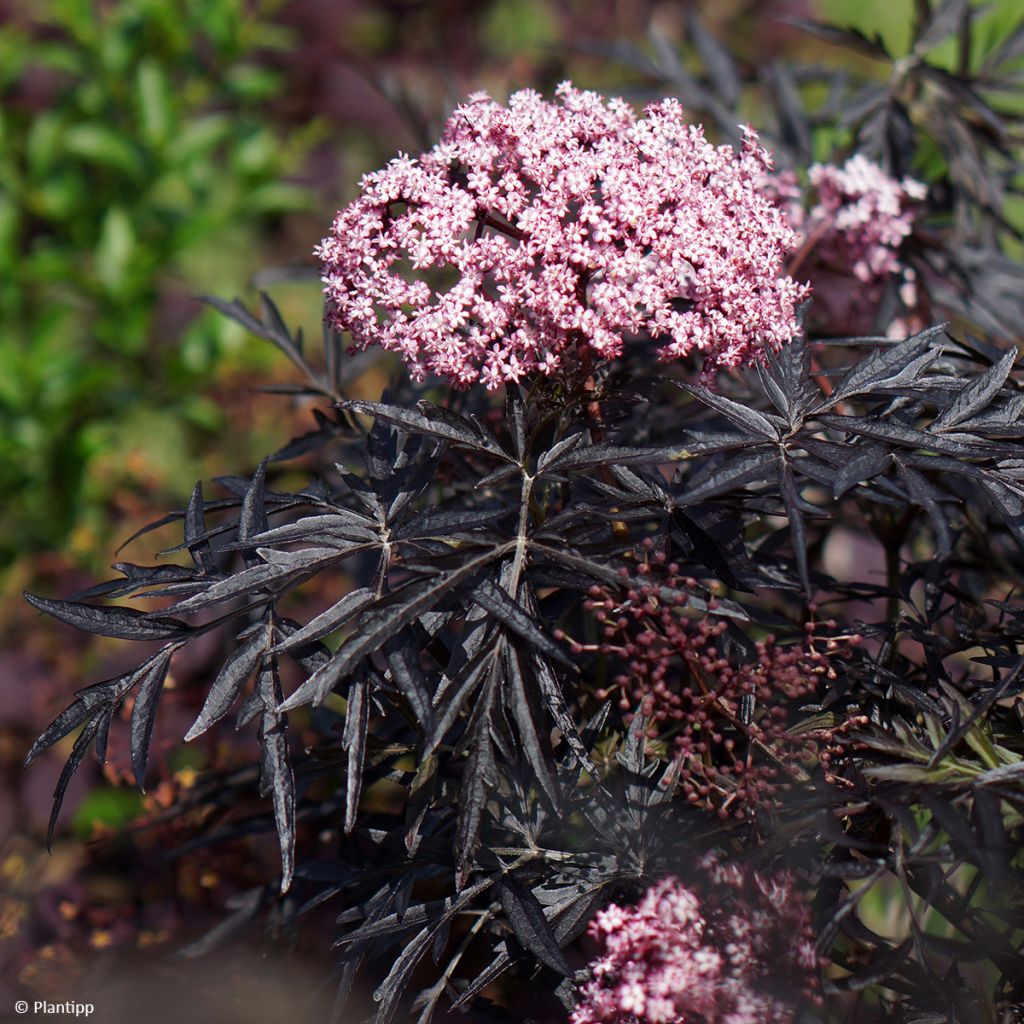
pixel 863 215
pixel 540 230
pixel 859 218
pixel 735 947
pixel 853 224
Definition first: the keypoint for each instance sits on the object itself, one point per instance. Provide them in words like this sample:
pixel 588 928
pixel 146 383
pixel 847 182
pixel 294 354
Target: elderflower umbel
pixel 540 231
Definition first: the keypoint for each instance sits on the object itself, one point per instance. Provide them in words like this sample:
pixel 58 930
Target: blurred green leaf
pixel 253 82
pixel 155 113
pixel 100 144
pixel 106 806
pixel 114 249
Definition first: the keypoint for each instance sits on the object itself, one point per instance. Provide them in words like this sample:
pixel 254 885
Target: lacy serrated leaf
pixel 151 685
pixel 531 927
pixel 977 396
pixel 433 421
pixel 750 421
pixel 111 620
pixel 230 681
pixel 383 620
pixel 887 367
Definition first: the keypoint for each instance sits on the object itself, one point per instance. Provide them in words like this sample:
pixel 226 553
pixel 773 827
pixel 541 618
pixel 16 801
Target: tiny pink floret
pixel 538 230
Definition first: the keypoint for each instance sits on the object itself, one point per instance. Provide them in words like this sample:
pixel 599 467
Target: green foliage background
pixel 138 166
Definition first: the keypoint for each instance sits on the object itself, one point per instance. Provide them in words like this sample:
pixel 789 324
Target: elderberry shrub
pixel 665 667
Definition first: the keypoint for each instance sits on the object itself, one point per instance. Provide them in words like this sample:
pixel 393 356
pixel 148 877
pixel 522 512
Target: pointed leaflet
pixel 111 620
pixel 531 927
pixel 434 913
pixel 560 448
pixel 275 769
pixel 407 674
pixel 515 618
pixel 887 367
pixel 929 497
pixel 977 395
pixel 140 577
pixel 944 21
pixel 593 456
pixel 85 737
pixel 384 620
pixel 326 431
pixel 448 705
pixel 748 420
pixel 785 379
pixel 730 475
pixel 632 757
pixel 261 576
pixel 520 699
pixel 353 742
pixel 798 529
pixel 432 421
pixel 850 38
pixel 554 701
pixel 230 681
pixel 195 531
pixel 909 437
pixel 515 420
pixel 391 989
pixel 435 522
pixel 272 328
pixel 341 523
pixel 253 517
pixel 103 719
pixel 144 712
pixel 328 621
pixel 91 701
pixel 251 707
pixel 478 777
pixel 868 461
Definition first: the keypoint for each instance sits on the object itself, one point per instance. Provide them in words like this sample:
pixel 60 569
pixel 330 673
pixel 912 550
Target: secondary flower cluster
pixel 726 720
pixel 540 230
pixel 734 947
pixel 864 216
pixel 851 230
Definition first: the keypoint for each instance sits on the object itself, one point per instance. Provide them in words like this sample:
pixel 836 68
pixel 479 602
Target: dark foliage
pixel 459 675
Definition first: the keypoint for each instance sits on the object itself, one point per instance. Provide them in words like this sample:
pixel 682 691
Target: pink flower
pixel 852 234
pixel 865 214
pixel 542 228
pixel 734 947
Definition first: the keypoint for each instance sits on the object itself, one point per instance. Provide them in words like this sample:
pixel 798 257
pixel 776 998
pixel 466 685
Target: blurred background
pixel 152 151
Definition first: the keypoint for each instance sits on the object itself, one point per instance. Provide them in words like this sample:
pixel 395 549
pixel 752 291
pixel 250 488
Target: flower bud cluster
pixel 732 947
pixel 538 231
pixel 727 719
